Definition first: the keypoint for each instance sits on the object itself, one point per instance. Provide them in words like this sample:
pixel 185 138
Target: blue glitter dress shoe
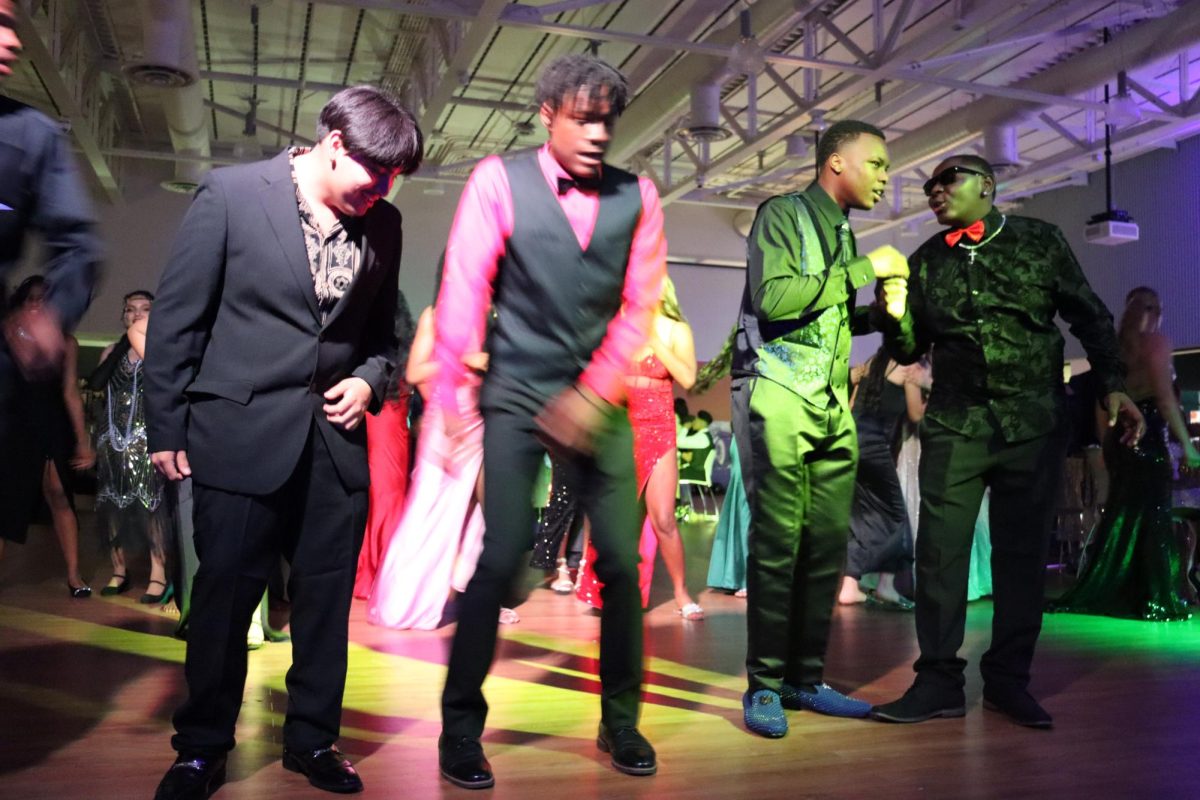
pixel 1018 705
pixel 326 768
pixel 764 713
pixel 922 702
pixel 192 777
pixel 461 761
pixel 630 751
pixel 824 699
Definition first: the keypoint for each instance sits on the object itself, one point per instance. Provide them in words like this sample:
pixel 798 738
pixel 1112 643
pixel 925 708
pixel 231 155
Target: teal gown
pixel 727 564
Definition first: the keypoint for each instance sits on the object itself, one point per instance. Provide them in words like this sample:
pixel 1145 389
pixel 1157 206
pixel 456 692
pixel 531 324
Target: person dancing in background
pixel 129 491
pixel 388 443
pixel 669 355
pixel 49 443
pixel 1139 570
pixel 881 539
pixel 573 271
pixel 730 547
pixel 792 418
pixel 440 532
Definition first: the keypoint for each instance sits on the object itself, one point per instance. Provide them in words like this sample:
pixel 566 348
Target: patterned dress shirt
pixel 987 310
pixel 334 256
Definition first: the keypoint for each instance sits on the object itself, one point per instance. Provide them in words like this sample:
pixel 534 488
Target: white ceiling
pixel 934 74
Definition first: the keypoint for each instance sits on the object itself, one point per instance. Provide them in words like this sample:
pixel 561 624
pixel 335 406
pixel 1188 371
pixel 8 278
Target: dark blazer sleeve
pixel 62 213
pixel 181 319
pixel 380 342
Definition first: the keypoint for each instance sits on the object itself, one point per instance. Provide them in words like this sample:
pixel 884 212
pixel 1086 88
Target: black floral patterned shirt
pixel 987 311
pixel 334 256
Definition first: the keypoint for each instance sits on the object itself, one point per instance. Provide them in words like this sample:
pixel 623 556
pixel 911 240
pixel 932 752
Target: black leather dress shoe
pixel 630 751
pixel 461 761
pixel 920 703
pixel 325 768
pixel 1018 705
pixel 192 777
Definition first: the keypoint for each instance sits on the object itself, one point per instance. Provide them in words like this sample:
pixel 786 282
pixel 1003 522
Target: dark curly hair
pixel 839 133
pixel 567 76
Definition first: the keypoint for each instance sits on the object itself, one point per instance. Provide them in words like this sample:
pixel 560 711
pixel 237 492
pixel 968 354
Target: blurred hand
pixel 1191 456
pixel 570 419
pixel 476 361
pixel 348 401
pixel 888 262
pixel 1122 409
pixel 84 456
pixel 172 464
pixel 895 296
pixel 36 341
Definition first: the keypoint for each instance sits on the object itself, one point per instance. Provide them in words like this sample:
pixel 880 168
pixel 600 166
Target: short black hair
pixel 567 76
pixel 138 293
pixel 704 415
pixel 376 125
pixel 846 130
pixel 977 163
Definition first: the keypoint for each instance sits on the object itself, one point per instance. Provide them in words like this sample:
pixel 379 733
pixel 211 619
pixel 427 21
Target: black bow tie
pixel 583 184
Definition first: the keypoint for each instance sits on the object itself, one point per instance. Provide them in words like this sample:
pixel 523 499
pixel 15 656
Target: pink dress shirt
pixel 482 225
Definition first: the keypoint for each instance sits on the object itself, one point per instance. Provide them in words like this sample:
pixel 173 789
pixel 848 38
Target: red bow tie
pixel 974 232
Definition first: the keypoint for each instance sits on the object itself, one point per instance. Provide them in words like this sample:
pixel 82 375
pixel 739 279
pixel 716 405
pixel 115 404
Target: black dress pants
pixel 1023 476
pixel 608 495
pixel 317 525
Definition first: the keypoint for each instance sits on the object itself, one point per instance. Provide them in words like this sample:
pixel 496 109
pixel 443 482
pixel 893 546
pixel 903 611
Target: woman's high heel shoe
pixel 79 592
pixel 121 588
pixel 148 598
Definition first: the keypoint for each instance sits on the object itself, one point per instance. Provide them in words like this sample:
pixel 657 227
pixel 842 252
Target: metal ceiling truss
pixel 68 64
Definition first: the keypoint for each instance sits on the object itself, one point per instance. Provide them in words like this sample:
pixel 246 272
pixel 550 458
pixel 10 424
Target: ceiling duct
pixel 1000 148
pixel 168 46
pixel 795 146
pixel 704 125
pixel 169 64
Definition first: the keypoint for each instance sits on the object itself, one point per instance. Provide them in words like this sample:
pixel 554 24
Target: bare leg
pixel 66 526
pixel 660 509
pixel 886 590
pixel 850 594
pixel 158 556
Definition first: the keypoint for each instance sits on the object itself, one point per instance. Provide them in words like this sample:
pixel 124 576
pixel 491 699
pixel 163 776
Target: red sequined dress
pixel 652 417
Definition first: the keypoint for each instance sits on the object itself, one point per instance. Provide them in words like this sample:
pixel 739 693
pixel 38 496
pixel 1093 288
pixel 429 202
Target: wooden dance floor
pixel 87 689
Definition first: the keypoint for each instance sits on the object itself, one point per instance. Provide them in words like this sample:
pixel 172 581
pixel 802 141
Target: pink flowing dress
pixel 440 534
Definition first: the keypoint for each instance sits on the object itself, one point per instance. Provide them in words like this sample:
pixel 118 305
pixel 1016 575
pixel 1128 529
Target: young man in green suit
pixel 792 417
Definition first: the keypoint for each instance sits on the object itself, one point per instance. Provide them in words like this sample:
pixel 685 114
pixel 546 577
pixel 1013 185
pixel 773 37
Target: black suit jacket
pixel 237 358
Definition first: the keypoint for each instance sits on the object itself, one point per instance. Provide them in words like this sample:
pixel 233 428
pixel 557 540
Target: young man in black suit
pixel 272 335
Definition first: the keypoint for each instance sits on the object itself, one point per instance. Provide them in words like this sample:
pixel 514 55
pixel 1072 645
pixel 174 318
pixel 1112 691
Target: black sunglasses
pixel 947 177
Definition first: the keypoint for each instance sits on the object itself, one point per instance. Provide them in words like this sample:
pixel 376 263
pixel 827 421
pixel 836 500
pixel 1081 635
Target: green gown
pixel 1135 572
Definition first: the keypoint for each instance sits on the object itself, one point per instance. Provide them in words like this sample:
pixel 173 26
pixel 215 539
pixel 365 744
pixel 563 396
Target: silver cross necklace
pixel 971 248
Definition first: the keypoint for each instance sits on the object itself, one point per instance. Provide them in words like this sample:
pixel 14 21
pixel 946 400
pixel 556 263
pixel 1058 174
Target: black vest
pixel 553 301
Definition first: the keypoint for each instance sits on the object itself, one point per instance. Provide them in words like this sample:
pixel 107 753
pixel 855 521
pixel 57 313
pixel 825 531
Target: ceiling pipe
pixel 169 65
pixel 1133 48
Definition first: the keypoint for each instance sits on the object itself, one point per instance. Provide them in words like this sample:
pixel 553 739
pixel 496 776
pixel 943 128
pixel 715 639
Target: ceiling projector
pixel 1111 227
